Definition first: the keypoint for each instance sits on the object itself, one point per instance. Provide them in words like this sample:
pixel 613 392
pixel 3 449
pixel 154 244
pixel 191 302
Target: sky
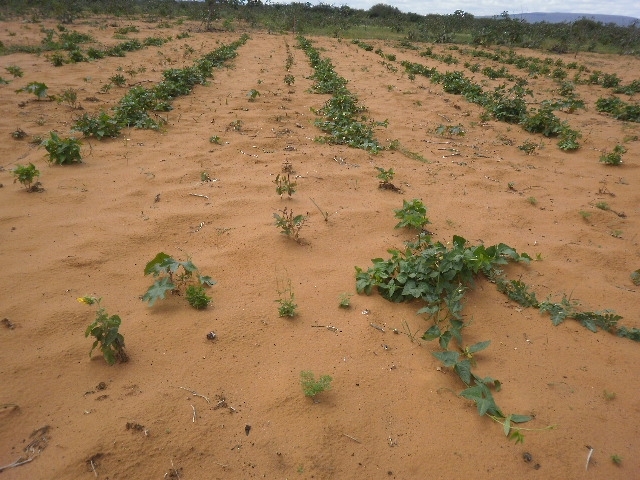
pixel 629 8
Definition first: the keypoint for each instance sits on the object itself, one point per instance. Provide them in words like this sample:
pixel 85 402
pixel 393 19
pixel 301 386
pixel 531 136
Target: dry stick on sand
pixel 352 438
pixel 195 394
pixel 586 467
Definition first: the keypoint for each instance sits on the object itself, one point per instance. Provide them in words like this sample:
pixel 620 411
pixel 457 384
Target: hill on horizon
pixel 559 17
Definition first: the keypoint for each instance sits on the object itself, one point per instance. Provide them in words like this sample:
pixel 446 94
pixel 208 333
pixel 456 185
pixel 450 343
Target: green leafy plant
pixel 118 80
pixel 284 185
pixel 39 89
pixel 289 79
pixel 615 157
pixel 70 97
pixel 14 70
pixel 176 277
pixel 99 125
pixel 286 301
pixel 197 297
pixel 532 201
pixel 413 214
pixel 616 459
pixel 25 174
pixel 385 176
pixel 215 139
pixel 62 151
pixel 289 223
pixel 105 331
pixel 253 95
pixel 528 147
pixel 312 387
pixel 344 300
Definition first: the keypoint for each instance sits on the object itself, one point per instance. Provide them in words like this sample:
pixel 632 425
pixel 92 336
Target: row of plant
pixel 503 104
pixel 134 109
pixel 619 109
pixel 439 276
pixel 344 120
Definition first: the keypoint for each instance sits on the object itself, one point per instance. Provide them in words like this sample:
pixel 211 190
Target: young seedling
pixel 25 174
pixel 37 88
pixel 613 158
pixel 105 331
pixel 344 301
pixel 385 177
pixel 14 70
pixel 62 151
pixel 528 147
pixel 286 301
pixel 253 95
pixel 324 214
pixel 177 277
pixel 70 97
pixel 532 201
pixel 413 214
pixel 118 80
pixel 215 139
pixel 284 185
pixel 312 387
pixel 289 79
pixel 616 459
pixel 289 223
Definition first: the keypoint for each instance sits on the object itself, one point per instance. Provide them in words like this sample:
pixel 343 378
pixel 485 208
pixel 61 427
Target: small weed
pixel 197 297
pixel 310 386
pixel 615 157
pixel 118 80
pixel 528 147
pixel 324 214
pixel 512 186
pixel 609 395
pixel 289 79
pixel 289 223
pixel 14 70
pixel 39 89
pixel 635 277
pixel 19 134
pixel 385 177
pixel 284 185
pixel 616 233
pixel 253 95
pixel 105 331
pixel 413 214
pixel 585 215
pixel 70 97
pixel 286 301
pixel 603 206
pixel 26 174
pixel 532 201
pixel 616 459
pixel 176 277
pixel 236 126
pixel 62 151
pixel 344 300
pixel 215 139
pixel 204 177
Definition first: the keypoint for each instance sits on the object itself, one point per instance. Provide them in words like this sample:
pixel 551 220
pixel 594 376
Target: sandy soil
pixel 392 411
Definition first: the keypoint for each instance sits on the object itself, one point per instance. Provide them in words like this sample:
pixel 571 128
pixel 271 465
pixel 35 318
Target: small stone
pixel 211 336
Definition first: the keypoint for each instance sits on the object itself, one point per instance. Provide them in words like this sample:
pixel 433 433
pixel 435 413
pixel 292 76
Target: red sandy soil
pixel 392 411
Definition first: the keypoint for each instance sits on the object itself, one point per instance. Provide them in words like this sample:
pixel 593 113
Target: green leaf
pixel 507 425
pixel 463 369
pixel 432 333
pixel 155 265
pixel 478 346
pixel 445 338
pixel 158 290
pixel 520 418
pixel 449 359
pixel 206 280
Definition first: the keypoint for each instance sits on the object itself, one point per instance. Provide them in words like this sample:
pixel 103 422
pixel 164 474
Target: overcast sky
pixel 629 8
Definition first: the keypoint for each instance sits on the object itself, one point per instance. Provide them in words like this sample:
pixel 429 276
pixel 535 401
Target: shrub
pixel 25 174
pixel 62 151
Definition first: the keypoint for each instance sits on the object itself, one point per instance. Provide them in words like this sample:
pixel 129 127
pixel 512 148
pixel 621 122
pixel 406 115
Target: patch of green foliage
pixel 413 214
pixel 105 331
pixel 39 89
pixel 312 387
pixel 615 157
pixel 289 223
pixel 62 151
pixel 286 301
pixel 176 277
pixel 25 174
pixel 620 110
pixel 344 120
pixel 99 125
